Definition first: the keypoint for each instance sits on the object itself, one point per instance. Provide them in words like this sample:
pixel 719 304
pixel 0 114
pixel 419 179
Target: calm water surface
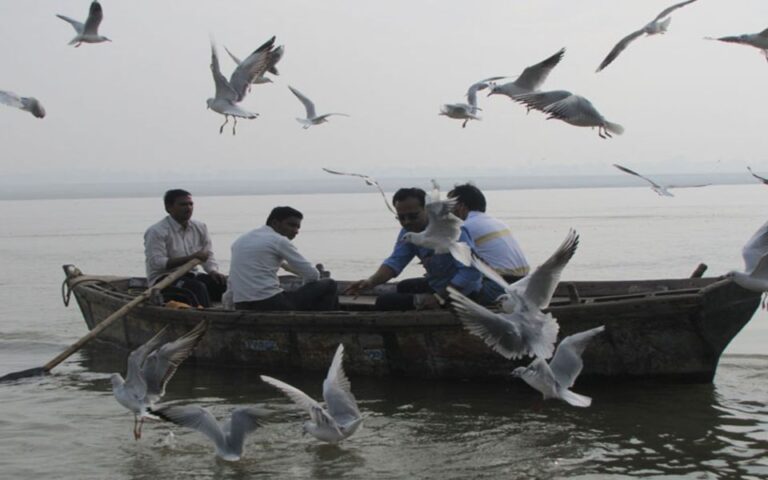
pixel 68 426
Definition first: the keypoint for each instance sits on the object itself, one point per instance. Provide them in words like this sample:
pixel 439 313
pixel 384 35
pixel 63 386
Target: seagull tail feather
pixel 614 128
pixel 575 399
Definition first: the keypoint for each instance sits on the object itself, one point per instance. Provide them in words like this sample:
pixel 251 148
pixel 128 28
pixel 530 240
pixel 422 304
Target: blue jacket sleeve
pixel 401 255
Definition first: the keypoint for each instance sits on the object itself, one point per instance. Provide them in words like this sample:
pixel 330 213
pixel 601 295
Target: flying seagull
pixel 370 181
pixel 230 93
pixel 531 79
pixel 762 179
pixel 662 190
pixel 755 254
pixel 273 70
pixel 757 40
pixel 573 109
pixel 28 104
pixel 467 111
pixel 555 379
pixel 312 117
pixel 340 418
pixel 658 25
pixel 228 437
pixel 150 367
pixel 87 32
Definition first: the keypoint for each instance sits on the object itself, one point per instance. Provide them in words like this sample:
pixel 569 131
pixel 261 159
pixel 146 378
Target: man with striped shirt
pixel 493 239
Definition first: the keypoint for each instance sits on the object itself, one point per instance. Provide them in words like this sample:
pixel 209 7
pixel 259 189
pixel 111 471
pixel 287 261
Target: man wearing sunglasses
pixel 442 270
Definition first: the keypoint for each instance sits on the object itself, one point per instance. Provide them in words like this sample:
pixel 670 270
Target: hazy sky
pixel 135 108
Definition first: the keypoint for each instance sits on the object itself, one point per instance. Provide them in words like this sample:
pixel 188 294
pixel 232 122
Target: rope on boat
pixel 69 285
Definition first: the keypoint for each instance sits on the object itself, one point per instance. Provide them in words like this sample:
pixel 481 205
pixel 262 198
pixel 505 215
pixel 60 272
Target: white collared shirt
pixel 169 239
pixel 495 244
pixel 256 258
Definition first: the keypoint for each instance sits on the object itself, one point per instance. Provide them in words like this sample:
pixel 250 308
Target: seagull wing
pixel 11 99
pixel 755 248
pixel 233 57
pixel 134 378
pixel 632 172
pixel 567 364
pixel 244 421
pixel 442 223
pixel 316 412
pixel 762 179
pixel 689 186
pixel 308 105
pixel 162 364
pixel 369 181
pixel 197 418
pixel 618 48
pixel 572 108
pixel 337 392
pixel 541 100
pixel 78 26
pixel 534 76
pixel 541 284
pixel 33 106
pixel 95 15
pixel 224 90
pixel 253 67
pixel 671 9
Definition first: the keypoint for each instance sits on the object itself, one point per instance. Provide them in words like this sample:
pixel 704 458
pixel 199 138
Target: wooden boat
pixel 672 330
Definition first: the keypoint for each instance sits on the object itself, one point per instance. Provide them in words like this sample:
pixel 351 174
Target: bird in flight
pixel 370 181
pixel 662 190
pixel 570 108
pixel 87 32
pixel 757 40
pixel 467 111
pixel 312 117
pixel 28 104
pixel 530 79
pixel 658 25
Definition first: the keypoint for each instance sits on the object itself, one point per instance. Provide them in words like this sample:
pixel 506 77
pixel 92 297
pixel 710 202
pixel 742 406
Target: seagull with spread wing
pixel 278 54
pixel 340 418
pixel 531 79
pixel 87 32
pixel 467 111
pixel 28 104
pixel 231 92
pixel 312 117
pixel 370 181
pixel 554 379
pixel 662 190
pixel 658 25
pixel 757 40
pixel 150 367
pixel 762 179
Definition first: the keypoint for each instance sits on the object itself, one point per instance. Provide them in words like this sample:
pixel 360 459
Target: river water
pixel 67 425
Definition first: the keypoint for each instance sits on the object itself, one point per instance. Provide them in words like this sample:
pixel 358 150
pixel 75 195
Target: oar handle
pixel 165 282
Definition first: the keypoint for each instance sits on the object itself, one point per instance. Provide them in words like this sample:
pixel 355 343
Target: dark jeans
pixel 195 289
pixel 409 288
pixel 315 296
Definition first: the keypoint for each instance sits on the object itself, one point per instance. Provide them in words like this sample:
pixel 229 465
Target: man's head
pixel 286 221
pixel 179 205
pixel 469 198
pixel 409 205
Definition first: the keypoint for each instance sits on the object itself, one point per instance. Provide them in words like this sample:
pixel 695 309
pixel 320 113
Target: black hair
pixel 171 195
pixel 470 196
pixel 413 192
pixel 281 213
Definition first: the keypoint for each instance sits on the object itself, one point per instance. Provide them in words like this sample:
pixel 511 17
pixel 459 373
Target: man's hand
pixel 354 288
pixel 201 255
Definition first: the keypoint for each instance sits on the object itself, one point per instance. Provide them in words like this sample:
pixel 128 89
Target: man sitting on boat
pixel 175 240
pixel 493 239
pixel 258 255
pixel 442 270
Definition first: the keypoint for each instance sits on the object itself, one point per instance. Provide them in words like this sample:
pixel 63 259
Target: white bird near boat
pixel 662 190
pixel 150 367
pixel 341 417
pixel 570 108
pixel 658 25
pixel 230 93
pixel 228 437
pixel 554 379
pixel 531 79
pixel 756 40
pixel 28 104
pixel 312 117
pixel 467 111
pixel 87 32
pixel 755 254
pixel 370 181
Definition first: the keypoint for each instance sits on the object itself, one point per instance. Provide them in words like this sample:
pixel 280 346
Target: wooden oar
pixel 167 281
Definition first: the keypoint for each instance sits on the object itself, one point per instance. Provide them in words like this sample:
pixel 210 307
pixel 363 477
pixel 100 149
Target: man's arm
pixel 296 262
pixel 401 256
pixel 382 275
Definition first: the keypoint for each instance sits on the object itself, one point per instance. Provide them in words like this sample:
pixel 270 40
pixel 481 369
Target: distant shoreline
pixel 133 189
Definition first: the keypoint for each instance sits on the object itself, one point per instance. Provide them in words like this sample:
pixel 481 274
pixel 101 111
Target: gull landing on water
pixel 662 190
pixel 370 181
pixel 341 417
pixel 312 117
pixel 555 379
pixel 230 93
pixel 573 109
pixel 87 32
pixel 757 40
pixel 658 25
pixel 28 104
pixel 150 367
pixel 531 79
pixel 467 111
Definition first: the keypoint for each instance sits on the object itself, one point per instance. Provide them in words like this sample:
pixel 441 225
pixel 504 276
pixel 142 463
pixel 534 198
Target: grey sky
pixel 135 108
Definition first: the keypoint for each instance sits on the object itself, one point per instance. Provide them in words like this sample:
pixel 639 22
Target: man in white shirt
pixel 258 255
pixel 493 239
pixel 177 239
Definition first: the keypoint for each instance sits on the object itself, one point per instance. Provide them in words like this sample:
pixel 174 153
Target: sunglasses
pixel 408 216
